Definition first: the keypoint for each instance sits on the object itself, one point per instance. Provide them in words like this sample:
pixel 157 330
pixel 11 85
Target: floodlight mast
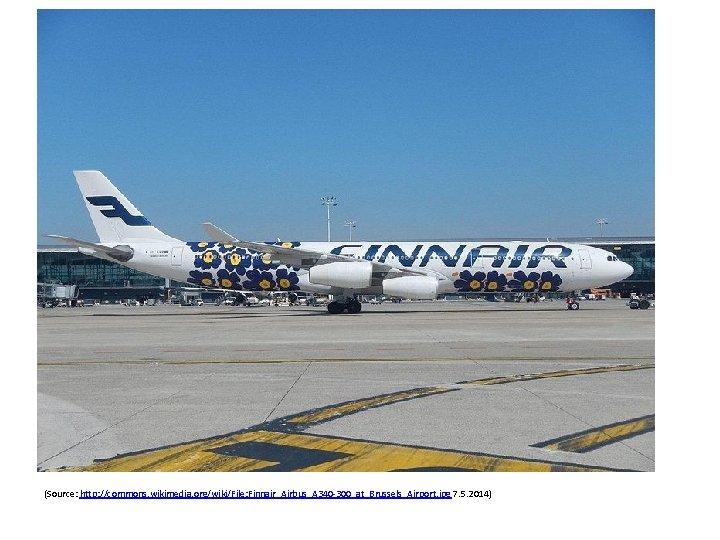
pixel 601 222
pixel 328 201
pixel 351 225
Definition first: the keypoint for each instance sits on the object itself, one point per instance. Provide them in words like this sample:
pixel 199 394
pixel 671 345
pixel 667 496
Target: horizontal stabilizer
pixel 116 253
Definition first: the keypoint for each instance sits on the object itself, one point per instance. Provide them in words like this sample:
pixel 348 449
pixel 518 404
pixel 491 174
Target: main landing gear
pixel 639 303
pixel 344 303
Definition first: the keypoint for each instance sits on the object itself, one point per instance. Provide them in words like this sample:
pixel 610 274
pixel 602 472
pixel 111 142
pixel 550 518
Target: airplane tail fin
pixel 114 216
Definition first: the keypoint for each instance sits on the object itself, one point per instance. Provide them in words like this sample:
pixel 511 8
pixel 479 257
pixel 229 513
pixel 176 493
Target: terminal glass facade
pixel 95 278
pixel 641 256
pixel 74 268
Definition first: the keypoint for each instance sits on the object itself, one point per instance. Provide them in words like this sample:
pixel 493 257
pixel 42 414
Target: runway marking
pixel 333 412
pixel 553 374
pixel 592 439
pixel 267 451
pixel 279 445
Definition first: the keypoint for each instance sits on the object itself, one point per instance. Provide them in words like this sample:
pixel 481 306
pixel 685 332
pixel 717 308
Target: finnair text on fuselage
pixel 452 255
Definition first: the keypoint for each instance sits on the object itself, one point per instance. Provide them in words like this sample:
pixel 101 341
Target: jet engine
pixel 412 287
pixel 346 275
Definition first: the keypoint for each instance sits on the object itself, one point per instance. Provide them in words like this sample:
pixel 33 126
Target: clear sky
pixel 423 124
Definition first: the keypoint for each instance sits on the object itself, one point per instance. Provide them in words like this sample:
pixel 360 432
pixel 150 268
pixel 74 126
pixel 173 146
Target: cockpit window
pixel 612 258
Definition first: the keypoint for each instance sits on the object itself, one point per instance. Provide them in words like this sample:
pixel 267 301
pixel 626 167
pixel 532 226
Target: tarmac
pixel 415 386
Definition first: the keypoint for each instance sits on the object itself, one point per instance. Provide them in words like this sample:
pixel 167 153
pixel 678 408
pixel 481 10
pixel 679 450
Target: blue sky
pixel 423 124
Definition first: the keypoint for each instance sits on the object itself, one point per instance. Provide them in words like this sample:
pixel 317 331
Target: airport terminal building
pixel 102 280
pixel 639 252
pixel 97 279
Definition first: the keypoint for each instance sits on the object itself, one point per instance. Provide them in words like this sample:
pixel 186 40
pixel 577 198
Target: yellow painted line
pixel 189 457
pixel 361 404
pixel 335 411
pixel 602 436
pixel 563 373
pixel 266 451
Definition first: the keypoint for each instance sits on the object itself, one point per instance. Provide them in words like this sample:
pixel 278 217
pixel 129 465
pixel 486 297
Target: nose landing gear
pixel 572 303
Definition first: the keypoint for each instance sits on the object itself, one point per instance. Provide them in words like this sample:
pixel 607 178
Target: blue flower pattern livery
pixel 496 282
pixel 228 267
pixel 523 282
pixel 470 282
pixel 549 282
pixel 204 279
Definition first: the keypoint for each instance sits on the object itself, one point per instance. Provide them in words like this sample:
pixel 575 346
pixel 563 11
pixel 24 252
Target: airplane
pixel 346 270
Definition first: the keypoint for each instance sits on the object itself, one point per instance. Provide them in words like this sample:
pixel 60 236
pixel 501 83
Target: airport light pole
pixel 351 225
pixel 601 222
pixel 328 201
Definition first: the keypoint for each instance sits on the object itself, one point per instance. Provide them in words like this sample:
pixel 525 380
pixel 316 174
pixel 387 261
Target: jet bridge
pixel 54 294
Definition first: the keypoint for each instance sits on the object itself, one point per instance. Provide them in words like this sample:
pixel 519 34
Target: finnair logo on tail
pixel 118 210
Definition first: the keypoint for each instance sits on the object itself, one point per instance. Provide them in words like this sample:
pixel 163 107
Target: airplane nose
pixel 626 271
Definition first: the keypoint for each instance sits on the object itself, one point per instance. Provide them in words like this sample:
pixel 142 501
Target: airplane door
pixel 585 261
pixel 176 257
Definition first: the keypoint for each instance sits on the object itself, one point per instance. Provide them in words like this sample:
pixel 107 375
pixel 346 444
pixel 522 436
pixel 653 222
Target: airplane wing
pixel 218 235
pixel 304 258
pixel 281 255
pixel 117 253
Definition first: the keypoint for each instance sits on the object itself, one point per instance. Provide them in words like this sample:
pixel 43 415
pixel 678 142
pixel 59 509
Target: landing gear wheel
pixel 354 306
pixel 335 308
pixel 574 306
pixel 644 304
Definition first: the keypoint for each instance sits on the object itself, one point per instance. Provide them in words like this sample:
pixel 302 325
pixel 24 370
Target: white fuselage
pixel 470 266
